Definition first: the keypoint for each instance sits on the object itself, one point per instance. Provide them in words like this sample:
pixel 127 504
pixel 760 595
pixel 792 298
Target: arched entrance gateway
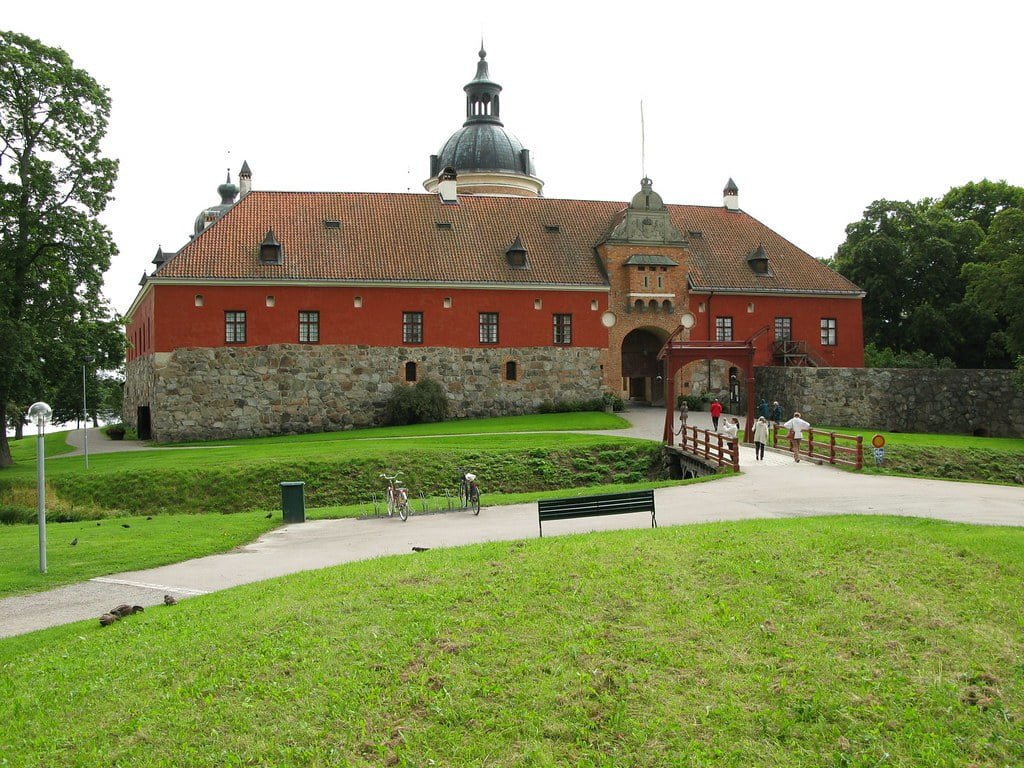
pixel 677 352
pixel 643 372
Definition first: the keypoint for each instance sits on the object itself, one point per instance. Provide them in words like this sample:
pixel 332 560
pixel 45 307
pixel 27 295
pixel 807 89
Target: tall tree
pixel 908 257
pixel 980 201
pixel 54 180
pixel 995 280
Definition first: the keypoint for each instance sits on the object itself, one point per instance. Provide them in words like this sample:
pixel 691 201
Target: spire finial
pixel 643 142
pixel 483 53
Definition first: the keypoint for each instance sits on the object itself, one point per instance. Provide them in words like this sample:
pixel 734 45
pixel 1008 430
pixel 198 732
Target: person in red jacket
pixel 716 411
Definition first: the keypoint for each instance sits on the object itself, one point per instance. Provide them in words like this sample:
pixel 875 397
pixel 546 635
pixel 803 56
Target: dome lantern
pixel 486 158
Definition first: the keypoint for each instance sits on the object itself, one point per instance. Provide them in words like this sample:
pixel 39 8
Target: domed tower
pixel 485 158
pixel 228 192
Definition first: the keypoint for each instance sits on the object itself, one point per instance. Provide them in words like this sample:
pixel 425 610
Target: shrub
pixel 115 431
pixel 425 402
pixel 578 406
pixel 888 358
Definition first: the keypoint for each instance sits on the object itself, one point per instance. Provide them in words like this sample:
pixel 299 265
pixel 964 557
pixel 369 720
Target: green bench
pixel 590 506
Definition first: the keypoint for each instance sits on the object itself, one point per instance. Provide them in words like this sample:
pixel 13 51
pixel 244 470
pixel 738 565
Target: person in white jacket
pixel 730 429
pixel 760 437
pixel 796 427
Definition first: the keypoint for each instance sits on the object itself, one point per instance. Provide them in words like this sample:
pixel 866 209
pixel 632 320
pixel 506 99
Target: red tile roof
pixel 389 236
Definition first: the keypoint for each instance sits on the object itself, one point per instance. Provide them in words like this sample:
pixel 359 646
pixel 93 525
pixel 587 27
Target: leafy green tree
pixel 907 257
pixel 54 181
pixel 980 201
pixel 995 281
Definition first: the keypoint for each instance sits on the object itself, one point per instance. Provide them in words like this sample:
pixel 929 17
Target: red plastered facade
pixel 195 316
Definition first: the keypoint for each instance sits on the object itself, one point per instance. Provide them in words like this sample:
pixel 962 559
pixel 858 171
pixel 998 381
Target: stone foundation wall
pixel 139 382
pixel 899 399
pixel 229 392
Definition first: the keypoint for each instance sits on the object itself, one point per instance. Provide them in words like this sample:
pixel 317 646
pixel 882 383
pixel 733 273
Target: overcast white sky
pixel 814 108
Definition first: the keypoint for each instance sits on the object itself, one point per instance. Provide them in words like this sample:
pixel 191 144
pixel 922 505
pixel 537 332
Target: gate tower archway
pixel 677 352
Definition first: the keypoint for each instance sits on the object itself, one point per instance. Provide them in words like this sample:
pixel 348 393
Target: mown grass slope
pixel 829 641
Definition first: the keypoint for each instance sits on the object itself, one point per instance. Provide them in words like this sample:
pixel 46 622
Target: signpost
pixel 878 442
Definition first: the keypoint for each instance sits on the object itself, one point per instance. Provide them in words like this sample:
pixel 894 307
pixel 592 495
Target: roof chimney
pixel 447 186
pixel 732 196
pixel 244 180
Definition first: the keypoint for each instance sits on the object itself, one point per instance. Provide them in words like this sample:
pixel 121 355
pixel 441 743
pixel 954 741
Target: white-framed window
pixel 828 331
pixel 412 327
pixel 309 327
pixel 488 327
pixel 234 326
pixel 723 328
pixel 783 328
pixel 562 325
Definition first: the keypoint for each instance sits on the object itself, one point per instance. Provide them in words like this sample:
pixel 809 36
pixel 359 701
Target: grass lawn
pixel 810 642
pixel 23 452
pixel 107 546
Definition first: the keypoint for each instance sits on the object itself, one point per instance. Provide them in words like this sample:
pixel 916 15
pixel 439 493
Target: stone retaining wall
pixel 229 392
pixel 899 399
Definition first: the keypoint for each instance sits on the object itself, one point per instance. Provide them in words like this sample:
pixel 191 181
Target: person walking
pixel 762 408
pixel 776 414
pixel 684 414
pixel 716 412
pixel 760 436
pixel 796 427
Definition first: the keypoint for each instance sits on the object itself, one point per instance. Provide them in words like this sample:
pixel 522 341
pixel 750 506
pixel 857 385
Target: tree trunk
pixel 5 447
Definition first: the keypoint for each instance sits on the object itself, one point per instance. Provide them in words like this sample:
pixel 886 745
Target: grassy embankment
pixel 946 457
pixel 338 468
pixel 828 641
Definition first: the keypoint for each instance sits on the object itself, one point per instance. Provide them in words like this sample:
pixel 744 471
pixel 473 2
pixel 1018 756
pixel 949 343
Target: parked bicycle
pixel 397 496
pixel 469 492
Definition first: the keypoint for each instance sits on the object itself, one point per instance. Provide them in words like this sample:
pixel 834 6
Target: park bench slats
pixel 590 506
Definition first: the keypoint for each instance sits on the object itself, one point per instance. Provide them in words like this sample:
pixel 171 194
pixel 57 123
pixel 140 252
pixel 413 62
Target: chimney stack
pixel 244 180
pixel 731 195
pixel 447 186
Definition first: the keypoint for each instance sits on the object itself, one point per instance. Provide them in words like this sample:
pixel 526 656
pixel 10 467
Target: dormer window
pixel 271 251
pixel 516 255
pixel 758 261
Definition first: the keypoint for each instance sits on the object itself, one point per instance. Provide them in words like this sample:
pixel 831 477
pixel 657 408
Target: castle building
pixel 295 312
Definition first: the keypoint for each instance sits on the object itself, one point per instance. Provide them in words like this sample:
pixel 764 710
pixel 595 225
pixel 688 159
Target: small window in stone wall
pixel 511 370
pixel 199 299
pixel 410 371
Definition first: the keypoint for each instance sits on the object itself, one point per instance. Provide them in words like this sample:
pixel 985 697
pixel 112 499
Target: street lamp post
pixel 39 414
pixel 85 410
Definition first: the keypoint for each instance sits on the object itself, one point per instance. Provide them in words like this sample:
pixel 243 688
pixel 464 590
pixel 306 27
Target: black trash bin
pixel 293 502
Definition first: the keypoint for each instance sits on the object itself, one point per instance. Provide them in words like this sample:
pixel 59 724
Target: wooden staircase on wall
pixel 791 352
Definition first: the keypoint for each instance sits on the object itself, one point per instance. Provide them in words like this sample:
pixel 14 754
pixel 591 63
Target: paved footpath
pixel 774 488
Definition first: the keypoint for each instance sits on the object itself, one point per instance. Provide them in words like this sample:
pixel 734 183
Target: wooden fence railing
pixel 710 446
pixel 832 447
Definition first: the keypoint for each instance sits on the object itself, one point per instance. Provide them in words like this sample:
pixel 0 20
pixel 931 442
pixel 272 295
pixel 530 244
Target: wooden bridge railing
pixel 832 447
pixel 710 446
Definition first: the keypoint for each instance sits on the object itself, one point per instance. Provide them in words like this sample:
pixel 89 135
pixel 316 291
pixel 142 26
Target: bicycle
pixel 469 492
pixel 397 497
